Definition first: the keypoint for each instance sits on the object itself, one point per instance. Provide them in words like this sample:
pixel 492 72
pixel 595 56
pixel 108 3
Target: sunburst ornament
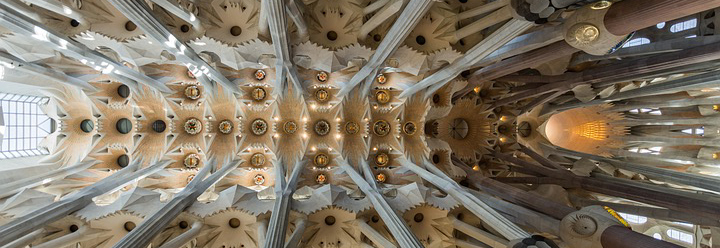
pixel 409 128
pixel 259 179
pixel 381 128
pixel 322 127
pixel 225 127
pixel 322 76
pixel 380 177
pixel 351 127
pixel 260 75
pixel 321 160
pixel 191 161
pixel 257 160
pixel 381 79
pixel 192 92
pixel 321 178
pixel 382 96
pixel 290 127
pixel 382 159
pixel 193 126
pixel 259 127
pixel 258 94
pixel 322 95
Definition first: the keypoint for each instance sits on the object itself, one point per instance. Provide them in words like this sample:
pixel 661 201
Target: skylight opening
pixel 682 26
pixel 24 125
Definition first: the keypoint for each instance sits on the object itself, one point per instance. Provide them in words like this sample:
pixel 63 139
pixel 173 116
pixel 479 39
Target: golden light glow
pixel 597 130
pixel 476 168
pixel 477 89
pixel 716 107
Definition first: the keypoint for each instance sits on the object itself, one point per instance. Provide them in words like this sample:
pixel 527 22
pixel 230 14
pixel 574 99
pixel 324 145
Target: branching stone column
pixel 139 13
pixel 284 66
pixel 505 227
pixel 373 235
pixel 57 210
pixel 15 64
pixel 8 189
pixel 297 234
pixel 410 16
pixel 24 25
pixel 276 232
pixel 143 235
pixel 482 236
pixel 397 226
pixel 500 37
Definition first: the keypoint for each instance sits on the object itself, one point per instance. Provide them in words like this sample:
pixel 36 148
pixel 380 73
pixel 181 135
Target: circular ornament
pixel 124 126
pixel 380 177
pixel 259 74
pixel 409 128
pixel 322 127
pixel 381 79
pixel 382 96
pixel 225 126
pixel 322 76
pixel 259 179
pixel 259 94
pixel 191 161
pixel 322 95
pixel 87 125
pixel 259 127
pixel 257 160
pixel 193 126
pixel 321 160
pixel 159 126
pixel 192 92
pixel 584 33
pixel 351 127
pixel 321 178
pixel 382 159
pixel 381 128
pixel 290 127
pixel 601 5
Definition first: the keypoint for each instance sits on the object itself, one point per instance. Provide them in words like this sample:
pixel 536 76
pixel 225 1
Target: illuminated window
pixel 652 150
pixel 680 235
pixel 635 219
pixel 637 42
pixel 660 25
pixel 597 130
pixel 24 125
pixel 683 26
pixel 650 111
pixel 695 131
pixel 684 224
pixel 657 236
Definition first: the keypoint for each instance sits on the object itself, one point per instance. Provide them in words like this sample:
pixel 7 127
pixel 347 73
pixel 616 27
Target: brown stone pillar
pixel 623 237
pixel 630 15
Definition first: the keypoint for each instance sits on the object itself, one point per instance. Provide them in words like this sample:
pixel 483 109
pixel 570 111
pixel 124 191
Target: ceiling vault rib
pixel 26 224
pixel 43 71
pixel 284 190
pixel 22 24
pixel 497 39
pixel 408 19
pixel 284 68
pixel 143 234
pixel 140 14
pixel 392 220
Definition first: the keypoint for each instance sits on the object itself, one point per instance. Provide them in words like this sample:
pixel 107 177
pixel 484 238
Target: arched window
pixel 23 125
pixel 651 150
pixel 682 26
pixel 696 131
pixel 657 236
pixel 680 235
pixel 660 25
pixel 635 219
pixel 637 42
